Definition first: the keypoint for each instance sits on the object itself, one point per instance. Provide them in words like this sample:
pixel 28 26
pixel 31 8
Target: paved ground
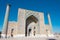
pixel 28 38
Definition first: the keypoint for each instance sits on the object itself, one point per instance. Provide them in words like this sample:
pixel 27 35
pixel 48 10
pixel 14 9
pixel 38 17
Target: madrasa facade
pixel 29 23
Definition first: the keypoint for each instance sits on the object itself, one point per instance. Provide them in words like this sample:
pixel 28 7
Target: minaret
pixel 50 24
pixel 49 20
pixel 5 25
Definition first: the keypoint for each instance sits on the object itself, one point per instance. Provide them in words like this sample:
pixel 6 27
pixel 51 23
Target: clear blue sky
pixel 46 6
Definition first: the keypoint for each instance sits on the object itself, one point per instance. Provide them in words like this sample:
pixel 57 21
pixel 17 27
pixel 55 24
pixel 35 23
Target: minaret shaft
pixel 50 24
pixel 49 20
pixel 5 25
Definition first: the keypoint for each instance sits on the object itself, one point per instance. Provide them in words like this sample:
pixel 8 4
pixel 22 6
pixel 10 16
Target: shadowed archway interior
pixel 29 20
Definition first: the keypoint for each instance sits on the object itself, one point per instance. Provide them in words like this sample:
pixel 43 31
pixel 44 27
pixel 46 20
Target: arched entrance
pixel 30 25
pixel 31 29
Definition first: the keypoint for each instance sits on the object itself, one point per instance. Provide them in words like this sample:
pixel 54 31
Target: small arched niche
pixel 12 32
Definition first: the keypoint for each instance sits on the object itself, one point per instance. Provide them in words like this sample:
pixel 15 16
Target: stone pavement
pixel 28 38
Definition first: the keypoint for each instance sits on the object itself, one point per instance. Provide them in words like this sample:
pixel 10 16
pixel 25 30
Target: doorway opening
pixel 12 32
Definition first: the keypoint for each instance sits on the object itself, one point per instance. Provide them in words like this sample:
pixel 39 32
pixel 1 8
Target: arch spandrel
pixel 29 13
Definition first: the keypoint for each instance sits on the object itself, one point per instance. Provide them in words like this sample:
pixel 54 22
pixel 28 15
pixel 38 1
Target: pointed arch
pixel 29 20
